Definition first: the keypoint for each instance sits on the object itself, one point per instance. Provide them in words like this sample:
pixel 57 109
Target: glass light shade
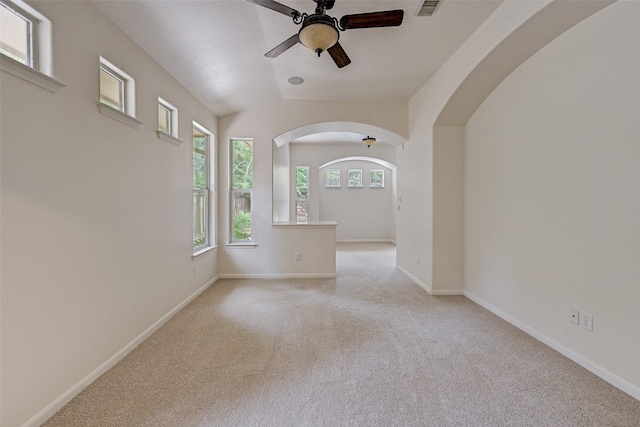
pixel 369 141
pixel 318 36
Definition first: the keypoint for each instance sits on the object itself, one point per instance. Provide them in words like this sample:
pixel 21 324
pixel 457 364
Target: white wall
pixel 552 207
pixel 96 216
pixel 363 214
pixel 448 222
pixel 514 32
pixel 264 123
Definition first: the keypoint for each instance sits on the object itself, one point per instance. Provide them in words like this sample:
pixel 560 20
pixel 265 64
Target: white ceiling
pixel 215 48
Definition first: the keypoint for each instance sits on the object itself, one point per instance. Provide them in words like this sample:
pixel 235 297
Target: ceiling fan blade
pixel 339 55
pixel 273 5
pixel 388 18
pixel 278 50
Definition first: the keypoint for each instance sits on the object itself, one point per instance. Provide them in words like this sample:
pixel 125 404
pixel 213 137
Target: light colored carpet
pixel 369 348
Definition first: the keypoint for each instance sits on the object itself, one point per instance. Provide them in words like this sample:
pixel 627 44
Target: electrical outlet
pixel 574 316
pixel 586 322
pixel 418 261
pixel 195 271
pixel 298 256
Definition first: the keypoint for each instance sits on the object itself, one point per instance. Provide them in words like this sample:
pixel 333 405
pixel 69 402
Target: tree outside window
pixel 332 178
pixel 302 194
pixel 355 178
pixel 200 189
pixel 241 188
pixel 377 178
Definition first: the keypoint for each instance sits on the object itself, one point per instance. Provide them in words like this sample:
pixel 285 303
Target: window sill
pixel 242 245
pixel 305 225
pixel 202 251
pixel 168 138
pixel 119 116
pixel 28 74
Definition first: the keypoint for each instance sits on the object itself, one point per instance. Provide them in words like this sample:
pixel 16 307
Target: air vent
pixel 427 7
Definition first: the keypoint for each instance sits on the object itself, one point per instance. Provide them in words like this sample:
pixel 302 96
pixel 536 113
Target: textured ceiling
pixel 215 48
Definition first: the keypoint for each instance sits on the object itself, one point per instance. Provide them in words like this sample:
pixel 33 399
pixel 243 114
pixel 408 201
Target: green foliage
pixel 333 178
pixel 242 179
pixel 199 242
pixel 302 182
pixel 242 163
pixel 242 226
pixel 377 178
pixel 355 178
pixel 302 176
pixel 199 162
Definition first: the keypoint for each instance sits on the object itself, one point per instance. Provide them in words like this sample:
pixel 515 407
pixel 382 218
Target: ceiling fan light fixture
pixel 368 141
pixel 318 33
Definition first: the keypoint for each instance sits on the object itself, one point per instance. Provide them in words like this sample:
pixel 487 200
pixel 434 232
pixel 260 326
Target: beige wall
pixel 96 216
pixel 552 206
pixel 362 214
pixel 448 196
pixel 264 123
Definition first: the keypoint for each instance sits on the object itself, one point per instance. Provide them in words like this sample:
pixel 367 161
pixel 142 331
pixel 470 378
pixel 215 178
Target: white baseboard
pixel 613 379
pixel 67 396
pixel 414 279
pixel 365 241
pixel 280 276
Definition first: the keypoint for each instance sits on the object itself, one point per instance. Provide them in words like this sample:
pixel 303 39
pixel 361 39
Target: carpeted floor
pixel 369 348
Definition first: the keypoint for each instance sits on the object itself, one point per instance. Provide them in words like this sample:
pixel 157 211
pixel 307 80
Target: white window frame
pixel 127 111
pixel 172 123
pixel 40 71
pixel 128 106
pixel 330 184
pixel 122 88
pixel 308 201
pixel 232 192
pixel 32 32
pixel 209 193
pixel 371 180
pixel 355 173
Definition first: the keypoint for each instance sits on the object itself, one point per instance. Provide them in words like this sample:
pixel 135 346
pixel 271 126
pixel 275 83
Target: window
pixel 302 194
pixel 355 178
pixel 112 88
pixel 18 34
pixel 241 154
pixel 167 118
pixel 332 178
pixel 201 189
pixel 377 178
pixel 164 118
pixel 117 88
pixel 26 44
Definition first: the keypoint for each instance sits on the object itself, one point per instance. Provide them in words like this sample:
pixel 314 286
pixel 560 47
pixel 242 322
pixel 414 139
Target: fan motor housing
pixel 328 4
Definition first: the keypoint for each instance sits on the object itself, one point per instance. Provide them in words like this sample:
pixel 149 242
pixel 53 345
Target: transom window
pixel 112 87
pixel 117 88
pixel 377 178
pixel 167 118
pixel 164 118
pixel 18 34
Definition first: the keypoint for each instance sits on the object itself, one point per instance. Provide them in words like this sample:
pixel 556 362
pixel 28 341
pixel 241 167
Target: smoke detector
pixel 427 7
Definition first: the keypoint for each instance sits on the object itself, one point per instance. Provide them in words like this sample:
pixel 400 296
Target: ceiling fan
pixel 319 31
